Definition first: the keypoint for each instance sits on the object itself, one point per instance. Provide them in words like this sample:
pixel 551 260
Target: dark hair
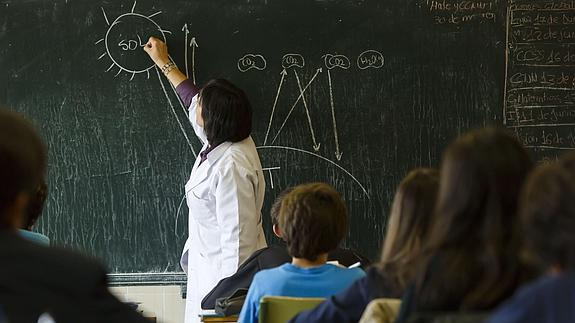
pixel 22 160
pixel 36 205
pixel 408 225
pixel 276 206
pixel 226 111
pixel 567 162
pixel 472 254
pixel 313 220
pixel 548 216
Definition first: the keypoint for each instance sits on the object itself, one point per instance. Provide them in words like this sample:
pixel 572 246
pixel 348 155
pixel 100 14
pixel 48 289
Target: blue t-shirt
pixel 290 280
pixel 550 299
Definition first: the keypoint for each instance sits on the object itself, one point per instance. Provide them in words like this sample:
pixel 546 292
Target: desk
pixel 211 316
pixel 220 319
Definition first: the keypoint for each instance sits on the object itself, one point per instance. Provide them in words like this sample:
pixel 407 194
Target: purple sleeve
pixel 186 91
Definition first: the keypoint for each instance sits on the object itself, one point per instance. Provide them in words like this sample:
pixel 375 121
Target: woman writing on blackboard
pixel 225 191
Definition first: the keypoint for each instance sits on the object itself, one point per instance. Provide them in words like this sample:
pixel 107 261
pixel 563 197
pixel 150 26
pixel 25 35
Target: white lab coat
pixel 225 195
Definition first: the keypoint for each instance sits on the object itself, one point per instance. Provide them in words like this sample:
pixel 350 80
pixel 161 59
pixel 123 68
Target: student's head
pixel 22 167
pixel 313 220
pixel 36 205
pixel 548 217
pixel 567 162
pixel 475 227
pixel 408 224
pixel 224 112
pixel 275 210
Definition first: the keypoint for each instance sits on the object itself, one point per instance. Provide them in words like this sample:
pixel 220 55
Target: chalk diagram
pixel 129 32
pixel 123 42
pixel 292 62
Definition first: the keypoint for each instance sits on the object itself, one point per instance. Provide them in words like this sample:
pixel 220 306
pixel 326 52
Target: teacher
pixel 226 188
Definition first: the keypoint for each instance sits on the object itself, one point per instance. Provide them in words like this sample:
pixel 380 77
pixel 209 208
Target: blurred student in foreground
pixel 470 261
pixel 35 208
pixel 35 280
pixel 548 224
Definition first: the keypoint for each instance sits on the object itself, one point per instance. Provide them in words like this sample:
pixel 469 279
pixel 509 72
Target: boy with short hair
pixel 313 221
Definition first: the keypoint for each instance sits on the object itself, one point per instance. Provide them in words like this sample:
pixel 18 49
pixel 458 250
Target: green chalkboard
pixel 353 93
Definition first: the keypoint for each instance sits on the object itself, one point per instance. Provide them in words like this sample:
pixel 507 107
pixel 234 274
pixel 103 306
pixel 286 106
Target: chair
pixel 280 309
pixel 382 310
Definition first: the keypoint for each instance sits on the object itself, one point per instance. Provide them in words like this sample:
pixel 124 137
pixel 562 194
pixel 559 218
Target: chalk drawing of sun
pixel 124 40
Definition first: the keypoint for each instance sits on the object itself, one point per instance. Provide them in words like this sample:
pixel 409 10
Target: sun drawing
pixel 124 40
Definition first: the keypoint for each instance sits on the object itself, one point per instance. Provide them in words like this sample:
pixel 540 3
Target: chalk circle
pixel 303 160
pixel 333 61
pixel 370 59
pixel 291 60
pixel 125 40
pixel 252 61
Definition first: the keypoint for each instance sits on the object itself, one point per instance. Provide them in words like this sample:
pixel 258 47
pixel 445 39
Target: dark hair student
pixel 548 221
pixel 313 220
pixel 471 259
pixel 408 226
pixel 407 229
pixel 36 205
pixel 22 164
pixel 548 217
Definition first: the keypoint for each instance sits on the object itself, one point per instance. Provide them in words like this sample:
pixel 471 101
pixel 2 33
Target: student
pixel 548 226
pixel 35 279
pixel 471 258
pixel 313 221
pixel 408 225
pixel 34 212
pixel 225 192
pixel 271 257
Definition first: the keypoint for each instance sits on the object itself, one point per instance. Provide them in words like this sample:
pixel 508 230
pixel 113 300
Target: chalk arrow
pixel 193 42
pixel 315 144
pixel 319 70
pixel 338 153
pixel 283 74
pixel 194 45
pixel 186 31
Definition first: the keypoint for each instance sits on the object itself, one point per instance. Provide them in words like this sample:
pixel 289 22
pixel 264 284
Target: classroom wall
pixel 163 302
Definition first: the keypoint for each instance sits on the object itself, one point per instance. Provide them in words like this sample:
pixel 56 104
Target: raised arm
pixel 158 52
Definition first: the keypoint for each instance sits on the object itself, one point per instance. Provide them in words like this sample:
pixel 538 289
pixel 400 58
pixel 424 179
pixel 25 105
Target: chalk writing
pixel 125 37
pixel 449 12
pixel 252 61
pixel 540 74
pixel 370 58
pixel 548 137
pixel 291 60
pixel 333 61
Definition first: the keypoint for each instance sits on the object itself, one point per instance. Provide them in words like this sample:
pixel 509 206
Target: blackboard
pixel 540 75
pixel 353 93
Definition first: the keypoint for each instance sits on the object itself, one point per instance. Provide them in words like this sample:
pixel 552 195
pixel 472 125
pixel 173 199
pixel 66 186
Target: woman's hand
pixel 157 50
